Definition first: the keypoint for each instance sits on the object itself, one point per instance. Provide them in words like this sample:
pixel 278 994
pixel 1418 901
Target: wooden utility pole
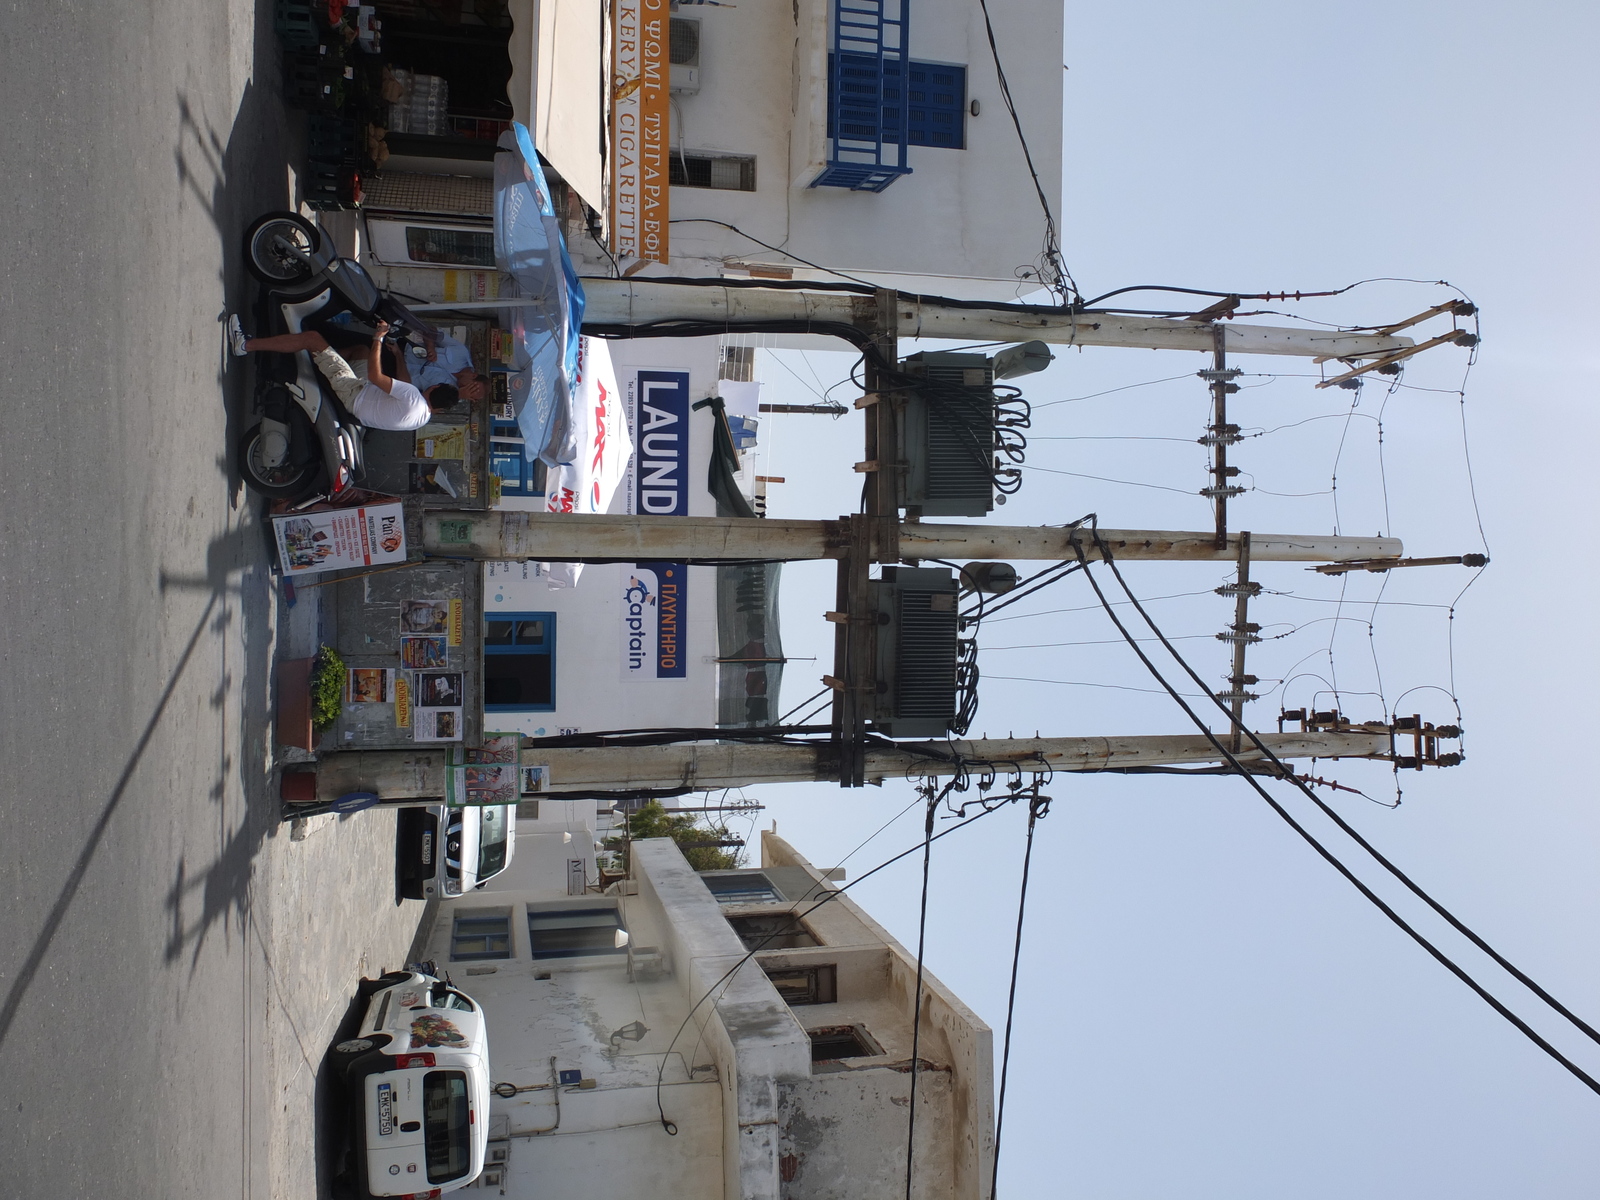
pixel 575 537
pixel 419 774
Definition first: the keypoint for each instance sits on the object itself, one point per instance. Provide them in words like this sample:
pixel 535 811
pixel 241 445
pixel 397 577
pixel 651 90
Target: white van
pixel 442 852
pixel 416 1075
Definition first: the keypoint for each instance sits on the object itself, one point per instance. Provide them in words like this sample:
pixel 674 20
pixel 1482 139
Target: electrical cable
pixel 1394 870
pixel 934 796
pixel 794 919
pixel 1062 283
pixel 1038 807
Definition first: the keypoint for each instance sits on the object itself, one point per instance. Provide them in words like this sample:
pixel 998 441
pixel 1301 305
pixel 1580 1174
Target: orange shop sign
pixel 640 142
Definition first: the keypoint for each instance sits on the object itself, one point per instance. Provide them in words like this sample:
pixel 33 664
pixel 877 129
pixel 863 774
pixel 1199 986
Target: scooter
pixel 307 446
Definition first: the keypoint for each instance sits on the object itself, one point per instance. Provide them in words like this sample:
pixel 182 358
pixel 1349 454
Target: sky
pixel 1205 1008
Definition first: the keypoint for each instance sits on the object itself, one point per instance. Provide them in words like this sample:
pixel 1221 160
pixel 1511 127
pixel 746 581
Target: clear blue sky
pixel 1206 1009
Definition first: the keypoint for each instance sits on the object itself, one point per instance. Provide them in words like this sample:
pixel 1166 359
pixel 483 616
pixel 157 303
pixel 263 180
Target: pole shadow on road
pixel 231 178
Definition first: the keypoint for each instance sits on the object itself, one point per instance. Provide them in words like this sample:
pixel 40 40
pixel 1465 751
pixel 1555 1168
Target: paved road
pixel 171 963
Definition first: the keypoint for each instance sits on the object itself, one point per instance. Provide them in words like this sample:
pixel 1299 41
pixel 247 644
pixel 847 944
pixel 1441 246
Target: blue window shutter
pixel 937 101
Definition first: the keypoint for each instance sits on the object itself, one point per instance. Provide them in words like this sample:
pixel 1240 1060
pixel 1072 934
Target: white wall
pixel 968 214
pixel 593 689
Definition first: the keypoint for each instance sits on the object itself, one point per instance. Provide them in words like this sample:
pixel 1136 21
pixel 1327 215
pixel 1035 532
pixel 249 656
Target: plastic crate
pixel 296 24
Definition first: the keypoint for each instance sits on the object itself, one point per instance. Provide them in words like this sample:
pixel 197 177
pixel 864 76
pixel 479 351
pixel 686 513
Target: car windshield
pixel 446 1125
pixel 492 840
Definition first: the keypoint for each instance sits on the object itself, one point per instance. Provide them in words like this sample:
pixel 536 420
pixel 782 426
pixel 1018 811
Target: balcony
pixel 866 131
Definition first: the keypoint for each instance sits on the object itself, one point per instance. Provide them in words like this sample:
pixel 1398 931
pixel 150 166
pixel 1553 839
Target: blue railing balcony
pixel 867 114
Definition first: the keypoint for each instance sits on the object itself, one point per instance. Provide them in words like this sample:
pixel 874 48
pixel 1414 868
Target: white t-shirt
pixel 404 408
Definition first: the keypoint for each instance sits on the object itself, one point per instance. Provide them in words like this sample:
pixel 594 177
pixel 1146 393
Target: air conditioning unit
pixel 947 436
pixel 917 611
pixel 683 40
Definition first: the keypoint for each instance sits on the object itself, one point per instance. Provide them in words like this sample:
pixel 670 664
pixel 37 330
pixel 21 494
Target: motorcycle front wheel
pixel 270 263
pixel 286 482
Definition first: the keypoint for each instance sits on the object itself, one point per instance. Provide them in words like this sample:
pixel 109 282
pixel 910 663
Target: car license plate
pixel 427 849
pixel 385 1109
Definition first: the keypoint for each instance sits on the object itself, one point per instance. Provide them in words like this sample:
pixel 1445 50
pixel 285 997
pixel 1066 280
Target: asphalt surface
pixel 172 964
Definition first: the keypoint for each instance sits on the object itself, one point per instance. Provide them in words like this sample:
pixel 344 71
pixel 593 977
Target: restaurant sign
pixel 640 83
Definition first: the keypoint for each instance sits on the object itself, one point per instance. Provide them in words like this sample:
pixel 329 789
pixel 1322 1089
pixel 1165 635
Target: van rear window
pixel 446 1126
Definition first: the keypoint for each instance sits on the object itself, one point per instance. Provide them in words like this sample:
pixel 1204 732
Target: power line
pixel 1038 806
pixel 1439 955
pixel 1052 245
pixel 934 796
pixel 794 919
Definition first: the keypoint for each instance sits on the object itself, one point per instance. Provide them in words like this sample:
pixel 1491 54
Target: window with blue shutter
pixel 519 664
pixel 936 105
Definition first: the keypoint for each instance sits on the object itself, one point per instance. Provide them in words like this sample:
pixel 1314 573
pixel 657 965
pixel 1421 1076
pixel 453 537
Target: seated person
pixel 442 359
pixel 380 401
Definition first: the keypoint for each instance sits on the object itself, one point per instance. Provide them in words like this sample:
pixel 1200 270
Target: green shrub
pixel 654 821
pixel 327 689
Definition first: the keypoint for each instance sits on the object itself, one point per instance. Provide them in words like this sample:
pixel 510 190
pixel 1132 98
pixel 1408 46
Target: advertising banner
pixel 640 142
pixel 658 474
pixel 654 608
pixel 486 774
pixel 587 483
pixel 309 543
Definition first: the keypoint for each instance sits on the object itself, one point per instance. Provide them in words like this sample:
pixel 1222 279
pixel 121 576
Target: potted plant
pixel 310 697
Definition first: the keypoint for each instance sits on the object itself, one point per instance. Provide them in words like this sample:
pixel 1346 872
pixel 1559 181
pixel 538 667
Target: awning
pixel 557 87
pixel 528 246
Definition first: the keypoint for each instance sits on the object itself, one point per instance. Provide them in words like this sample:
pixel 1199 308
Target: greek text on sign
pixel 639 128
pixel 654 611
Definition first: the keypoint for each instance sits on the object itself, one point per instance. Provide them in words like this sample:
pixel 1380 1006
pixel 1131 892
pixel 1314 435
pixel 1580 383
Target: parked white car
pixel 442 852
pixel 416 1074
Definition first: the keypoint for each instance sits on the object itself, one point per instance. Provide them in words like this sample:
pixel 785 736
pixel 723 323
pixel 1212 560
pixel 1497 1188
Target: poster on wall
pixel 441 441
pixel 369 685
pixel 424 616
pixel 372 535
pixel 422 653
pixel 432 617
pixel 486 774
pixel 436 699
pixel 435 724
pixel 654 609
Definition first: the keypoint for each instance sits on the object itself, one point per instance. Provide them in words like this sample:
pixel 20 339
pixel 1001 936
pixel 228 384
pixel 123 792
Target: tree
pixel 654 821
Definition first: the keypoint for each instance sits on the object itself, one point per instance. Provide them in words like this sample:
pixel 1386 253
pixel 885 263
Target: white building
pixel 783 1077
pixel 645 645
pixel 867 136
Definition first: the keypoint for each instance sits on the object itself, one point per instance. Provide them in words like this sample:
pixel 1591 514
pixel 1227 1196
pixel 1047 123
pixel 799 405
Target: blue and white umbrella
pixel 529 247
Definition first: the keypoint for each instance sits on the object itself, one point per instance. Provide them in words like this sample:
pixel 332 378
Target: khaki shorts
pixel 345 383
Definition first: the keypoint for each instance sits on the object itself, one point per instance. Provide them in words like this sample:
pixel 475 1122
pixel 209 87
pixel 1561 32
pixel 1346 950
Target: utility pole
pixel 628 307
pixel 623 305
pixel 585 537
pixel 419 774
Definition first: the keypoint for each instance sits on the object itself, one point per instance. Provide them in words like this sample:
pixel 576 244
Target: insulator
pixel 1248 639
pixel 1220 439
pixel 1447 731
pixel 1213 376
pixel 1448 760
pixel 1224 493
pixel 1250 588
pixel 1237 696
pixel 1326 718
pixel 1292 714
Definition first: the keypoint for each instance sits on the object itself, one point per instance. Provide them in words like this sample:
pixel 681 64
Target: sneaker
pixel 236 338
